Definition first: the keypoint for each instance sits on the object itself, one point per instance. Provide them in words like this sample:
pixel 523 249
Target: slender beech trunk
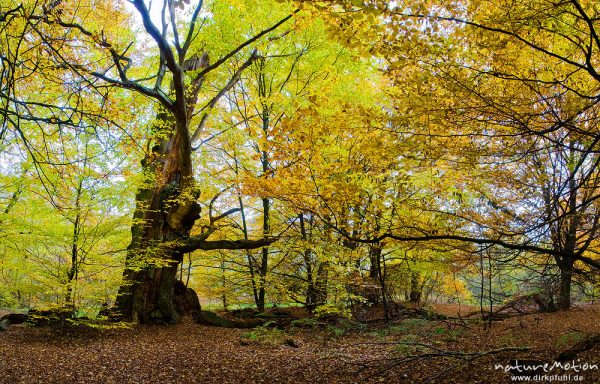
pixel 14 199
pixel 264 262
pixel 74 267
pixel 378 276
pixel 189 270
pixel 385 300
pixel 311 301
pixel 251 262
pixel 223 284
pixel 415 288
pixel 375 274
pixel 572 223
pixel 266 202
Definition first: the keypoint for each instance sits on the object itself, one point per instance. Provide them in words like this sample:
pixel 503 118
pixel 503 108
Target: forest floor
pixel 192 353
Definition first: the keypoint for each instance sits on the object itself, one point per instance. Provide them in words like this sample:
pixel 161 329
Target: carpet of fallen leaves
pixel 191 353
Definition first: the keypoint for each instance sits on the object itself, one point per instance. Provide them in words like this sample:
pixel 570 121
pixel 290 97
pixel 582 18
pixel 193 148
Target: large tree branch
pixel 163 45
pixel 484 241
pixel 123 81
pixel 170 61
pixel 588 261
pixel 190 35
pixel 590 23
pixel 5 15
pixel 223 59
pixel 155 94
pixel 584 66
pixel 213 102
pixel 524 246
pixel 198 243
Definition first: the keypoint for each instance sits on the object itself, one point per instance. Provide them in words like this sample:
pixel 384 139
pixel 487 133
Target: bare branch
pixel 190 35
pixel 223 59
pixel 586 67
pixel 213 102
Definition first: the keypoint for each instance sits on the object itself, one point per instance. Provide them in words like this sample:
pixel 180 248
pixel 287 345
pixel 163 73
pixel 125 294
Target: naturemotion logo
pixel 556 371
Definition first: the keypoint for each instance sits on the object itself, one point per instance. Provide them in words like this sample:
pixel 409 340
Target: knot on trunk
pixel 180 206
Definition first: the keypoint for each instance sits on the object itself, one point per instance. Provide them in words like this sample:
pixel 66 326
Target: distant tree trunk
pixel 316 288
pixel 223 285
pixel 249 257
pixel 311 300
pixel 321 279
pixel 264 262
pixel 415 288
pixel 311 292
pixel 564 287
pixel 375 272
pixel 74 267
pixel 374 256
pixel 321 282
pixel 378 276
pixel 266 202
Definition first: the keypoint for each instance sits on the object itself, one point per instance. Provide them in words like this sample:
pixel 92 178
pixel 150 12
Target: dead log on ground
pixel 584 345
pixel 12 318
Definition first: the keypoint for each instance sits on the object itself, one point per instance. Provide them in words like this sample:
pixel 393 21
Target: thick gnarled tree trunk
pixel 166 210
pixel 166 204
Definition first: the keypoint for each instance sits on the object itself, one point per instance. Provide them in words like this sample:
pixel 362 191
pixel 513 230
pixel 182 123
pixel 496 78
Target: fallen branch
pixel 518 306
pixel 584 345
pixel 211 318
pixel 436 352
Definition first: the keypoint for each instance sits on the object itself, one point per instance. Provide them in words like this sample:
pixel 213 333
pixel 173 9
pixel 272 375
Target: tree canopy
pixel 320 153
